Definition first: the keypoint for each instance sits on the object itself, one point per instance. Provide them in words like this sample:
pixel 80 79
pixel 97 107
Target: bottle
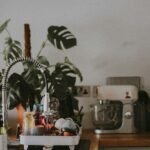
pixel 18 131
pixel 3 136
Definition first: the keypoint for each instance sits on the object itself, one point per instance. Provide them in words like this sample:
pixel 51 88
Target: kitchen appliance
pixel 114 110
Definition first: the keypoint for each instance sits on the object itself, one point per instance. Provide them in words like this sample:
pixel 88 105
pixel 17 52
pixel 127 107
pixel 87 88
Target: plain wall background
pixel 113 36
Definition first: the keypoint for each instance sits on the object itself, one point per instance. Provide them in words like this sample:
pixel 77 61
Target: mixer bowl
pixel 107 115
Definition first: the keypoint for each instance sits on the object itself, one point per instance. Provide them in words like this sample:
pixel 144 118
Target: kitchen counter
pixel 94 139
pixel 116 140
pixel 98 142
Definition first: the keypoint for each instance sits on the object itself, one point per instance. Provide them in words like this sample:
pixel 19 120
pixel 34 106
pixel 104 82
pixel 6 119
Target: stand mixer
pixel 114 110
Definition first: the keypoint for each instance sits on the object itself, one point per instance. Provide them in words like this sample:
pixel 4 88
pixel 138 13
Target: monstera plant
pixel 27 87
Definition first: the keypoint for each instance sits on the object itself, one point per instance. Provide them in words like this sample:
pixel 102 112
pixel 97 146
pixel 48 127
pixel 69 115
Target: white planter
pixel 50 141
pixel 3 142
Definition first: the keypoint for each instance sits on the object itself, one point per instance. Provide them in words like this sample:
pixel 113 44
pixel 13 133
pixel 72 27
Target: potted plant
pixel 26 88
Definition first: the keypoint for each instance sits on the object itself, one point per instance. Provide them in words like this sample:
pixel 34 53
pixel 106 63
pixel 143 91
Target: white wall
pixel 113 35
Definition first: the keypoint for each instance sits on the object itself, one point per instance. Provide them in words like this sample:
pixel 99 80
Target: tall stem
pixel 8 32
pixel 27 40
pixel 42 46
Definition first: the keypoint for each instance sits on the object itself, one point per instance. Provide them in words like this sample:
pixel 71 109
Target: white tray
pixel 3 142
pixel 50 141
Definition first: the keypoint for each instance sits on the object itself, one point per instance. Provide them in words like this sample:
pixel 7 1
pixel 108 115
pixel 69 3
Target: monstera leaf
pixel 12 50
pixel 63 78
pixel 33 76
pixel 43 61
pixel 73 68
pixel 60 37
pixel 19 91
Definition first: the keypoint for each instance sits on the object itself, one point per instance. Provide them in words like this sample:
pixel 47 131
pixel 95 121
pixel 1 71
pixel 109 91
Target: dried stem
pixel 27 40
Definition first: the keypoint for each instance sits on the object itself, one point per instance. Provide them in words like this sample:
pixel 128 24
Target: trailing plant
pixel 27 87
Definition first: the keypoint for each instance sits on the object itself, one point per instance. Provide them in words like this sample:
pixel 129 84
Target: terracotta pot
pixel 20 114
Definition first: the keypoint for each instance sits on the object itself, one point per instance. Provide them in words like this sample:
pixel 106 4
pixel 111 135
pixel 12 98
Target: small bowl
pixel 69 132
pixel 37 130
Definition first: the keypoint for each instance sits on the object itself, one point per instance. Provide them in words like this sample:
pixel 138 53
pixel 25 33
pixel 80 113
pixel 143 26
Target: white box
pixel 3 142
pixel 50 141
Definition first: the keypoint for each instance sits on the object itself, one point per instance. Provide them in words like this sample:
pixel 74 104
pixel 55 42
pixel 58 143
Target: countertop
pixel 94 139
pixel 116 140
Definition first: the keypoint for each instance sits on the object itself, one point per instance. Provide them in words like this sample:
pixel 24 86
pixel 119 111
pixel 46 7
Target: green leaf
pixel 76 70
pixel 4 25
pixel 19 91
pixel 8 40
pixel 62 79
pixel 60 37
pixel 17 42
pixel 12 50
pixel 43 60
pixel 33 76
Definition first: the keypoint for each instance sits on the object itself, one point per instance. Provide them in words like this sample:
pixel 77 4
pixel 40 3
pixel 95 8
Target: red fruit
pixel 50 126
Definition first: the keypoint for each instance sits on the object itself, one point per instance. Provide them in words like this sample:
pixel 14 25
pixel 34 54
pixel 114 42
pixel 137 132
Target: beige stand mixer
pixel 114 110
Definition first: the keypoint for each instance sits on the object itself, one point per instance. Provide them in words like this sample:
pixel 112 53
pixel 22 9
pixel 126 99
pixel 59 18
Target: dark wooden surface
pixel 125 140
pixel 117 140
pixel 89 134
